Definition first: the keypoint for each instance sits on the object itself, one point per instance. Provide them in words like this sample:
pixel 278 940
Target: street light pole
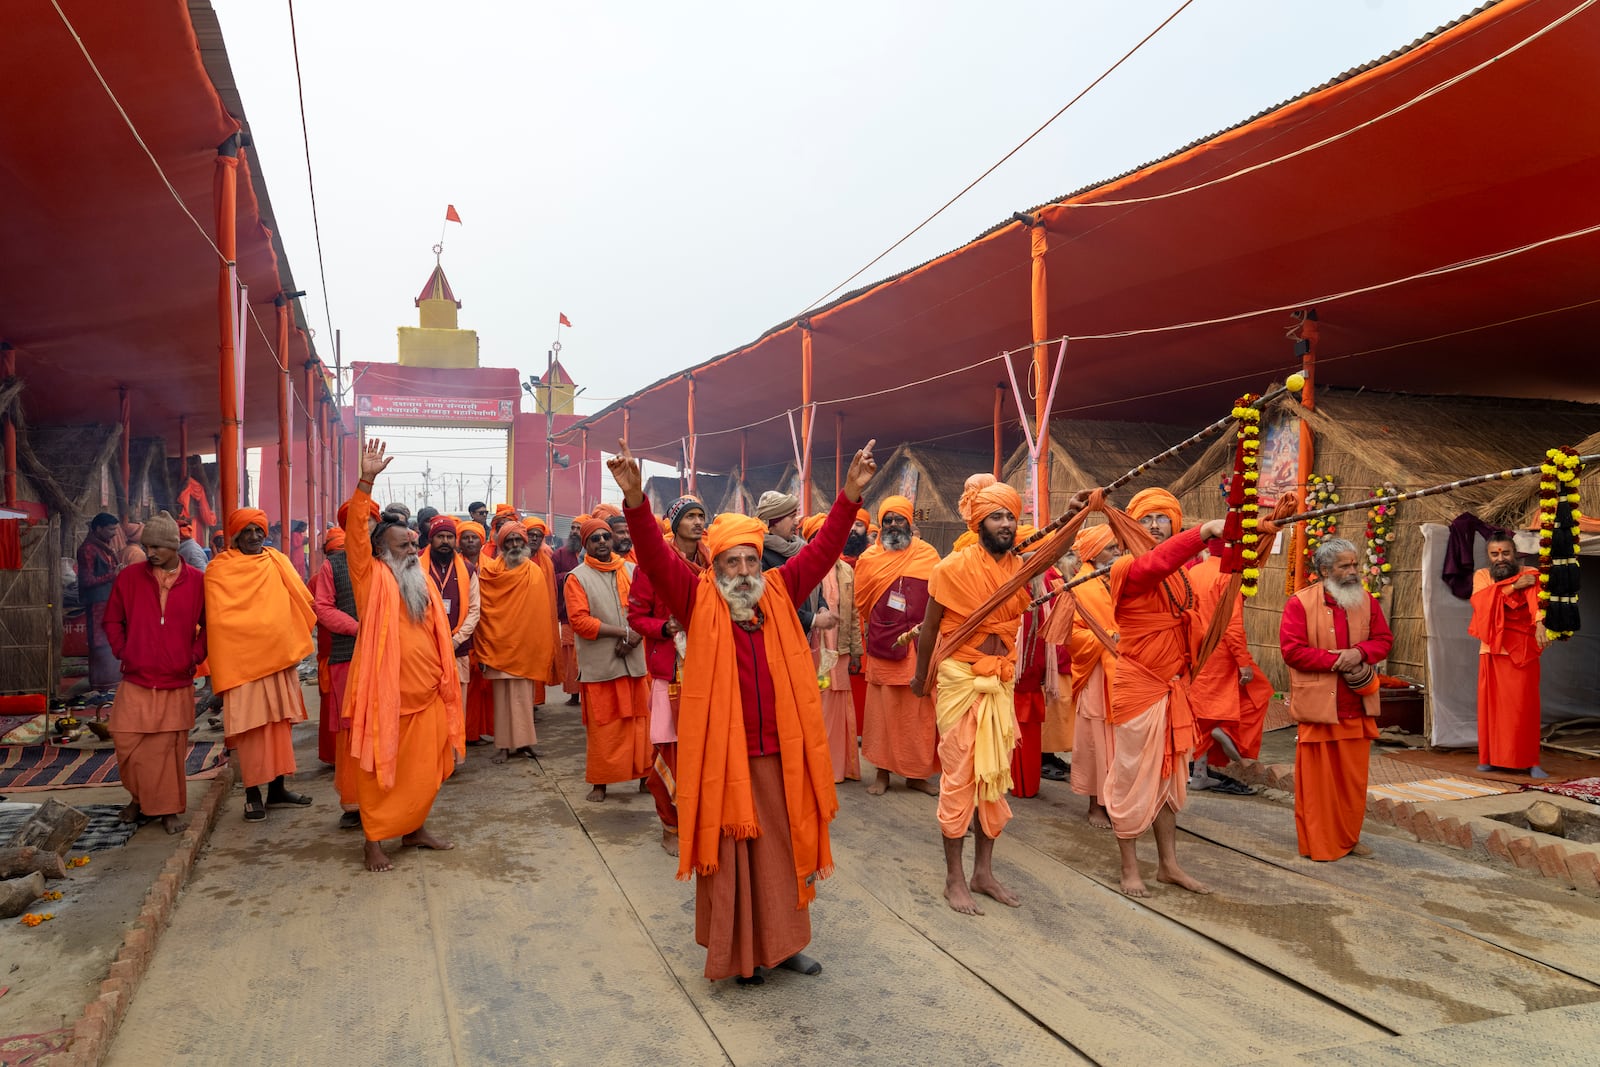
pixel 549 429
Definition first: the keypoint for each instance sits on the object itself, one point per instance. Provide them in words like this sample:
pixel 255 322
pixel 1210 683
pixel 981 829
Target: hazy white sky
pixel 677 178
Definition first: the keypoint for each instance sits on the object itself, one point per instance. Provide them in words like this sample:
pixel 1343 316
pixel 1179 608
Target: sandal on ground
pixel 350 820
pixel 299 800
pixel 254 811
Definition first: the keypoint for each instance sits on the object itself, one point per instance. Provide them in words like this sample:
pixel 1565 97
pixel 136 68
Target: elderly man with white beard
pixel 516 639
pixel 1333 636
pixel 404 697
pixel 755 775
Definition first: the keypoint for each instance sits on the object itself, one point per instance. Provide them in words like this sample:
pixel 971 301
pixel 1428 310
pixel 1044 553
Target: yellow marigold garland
pixel 1380 534
pixel 1558 542
pixel 1240 530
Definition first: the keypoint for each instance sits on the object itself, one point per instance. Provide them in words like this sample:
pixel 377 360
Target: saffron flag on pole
pixel 450 214
pixel 564 320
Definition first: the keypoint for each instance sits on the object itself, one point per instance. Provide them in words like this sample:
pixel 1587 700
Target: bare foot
pixel 130 813
pixel 174 824
pixel 596 795
pixel 500 755
pixel 1358 849
pixel 421 838
pixel 991 888
pixel 376 858
pixel 922 785
pixel 880 785
pixel 960 898
pixel 1097 816
pixel 669 842
pixel 1133 885
pixel 1176 876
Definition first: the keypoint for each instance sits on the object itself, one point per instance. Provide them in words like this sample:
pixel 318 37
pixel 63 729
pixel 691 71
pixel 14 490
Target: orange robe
pixel 1505 621
pixel 1094 667
pixel 1158 627
pixel 616 712
pixel 259 619
pixel 1218 697
pixel 899 733
pixel 403 698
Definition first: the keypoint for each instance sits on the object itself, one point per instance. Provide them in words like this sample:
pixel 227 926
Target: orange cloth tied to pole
pixel 258 613
pixel 714 796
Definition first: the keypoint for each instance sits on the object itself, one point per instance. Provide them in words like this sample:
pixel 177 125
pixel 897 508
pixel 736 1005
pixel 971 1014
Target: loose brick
pixel 1424 825
pixel 1523 852
pixel 1583 867
pixel 1386 810
pixel 1404 812
pixel 1499 844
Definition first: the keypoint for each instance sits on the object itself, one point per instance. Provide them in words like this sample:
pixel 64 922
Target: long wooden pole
pixel 1039 298
pixel 286 432
pixel 805 419
pixel 1306 347
pixel 227 193
pixel 313 536
pixel 999 404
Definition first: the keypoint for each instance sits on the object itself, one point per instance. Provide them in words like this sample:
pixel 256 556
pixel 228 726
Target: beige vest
pixel 1314 695
pixel 597 660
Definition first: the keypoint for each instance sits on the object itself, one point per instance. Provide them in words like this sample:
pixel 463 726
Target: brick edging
pixel 91 1035
pixel 1526 850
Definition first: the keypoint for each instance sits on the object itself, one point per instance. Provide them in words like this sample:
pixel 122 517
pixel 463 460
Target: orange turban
pixel 605 511
pixel 863 516
pixel 534 522
pixel 973 484
pixel 593 526
pixel 666 527
pixel 579 520
pixel 897 505
pixel 472 527
pixel 372 508
pixel 731 531
pixel 333 540
pixel 1091 541
pixel 811 524
pixel 996 496
pixel 504 509
pixel 239 518
pixel 1156 502
pixel 507 529
pixel 872 528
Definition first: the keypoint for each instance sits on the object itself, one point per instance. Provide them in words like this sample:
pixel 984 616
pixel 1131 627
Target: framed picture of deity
pixel 1280 458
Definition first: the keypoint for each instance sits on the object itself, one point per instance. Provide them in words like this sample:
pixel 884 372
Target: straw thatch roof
pixel 933 479
pixel 1517 505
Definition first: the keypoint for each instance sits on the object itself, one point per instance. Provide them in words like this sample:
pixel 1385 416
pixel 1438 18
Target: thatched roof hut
pixel 1366 438
pixel 931 479
pixel 1087 452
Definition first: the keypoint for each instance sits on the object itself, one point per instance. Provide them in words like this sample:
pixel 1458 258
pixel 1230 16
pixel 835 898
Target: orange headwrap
pixel 1091 541
pixel 996 496
pixel 592 527
pixel 472 527
pixel 730 531
pixel 508 528
pixel 239 518
pixel 968 490
pixel 534 522
pixel 504 509
pixel 372 506
pixel 333 540
pixel 897 505
pixel 863 516
pixel 605 511
pixel 811 524
pixel 872 529
pixel 1156 502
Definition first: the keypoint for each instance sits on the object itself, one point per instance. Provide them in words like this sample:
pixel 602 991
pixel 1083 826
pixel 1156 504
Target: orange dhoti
pixel 1092 739
pixel 616 718
pixel 838 718
pixel 962 789
pixel 480 703
pixel 1135 788
pixel 256 718
pixel 513 711
pixel 425 760
pixel 1508 712
pixel 1058 720
pixel 748 913
pixel 1330 785
pixel 150 728
pixel 901 733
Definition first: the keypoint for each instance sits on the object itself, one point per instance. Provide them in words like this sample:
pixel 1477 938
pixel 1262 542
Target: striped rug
pixel 1439 789
pixel 25 768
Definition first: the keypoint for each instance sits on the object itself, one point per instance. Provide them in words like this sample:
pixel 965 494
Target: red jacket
pixel 648 614
pixel 158 650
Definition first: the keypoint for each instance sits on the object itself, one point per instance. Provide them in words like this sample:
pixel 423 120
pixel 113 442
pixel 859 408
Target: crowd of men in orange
pixel 729 664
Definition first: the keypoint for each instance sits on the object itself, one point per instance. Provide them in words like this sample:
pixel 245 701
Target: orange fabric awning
pixel 104 282
pixel 1360 182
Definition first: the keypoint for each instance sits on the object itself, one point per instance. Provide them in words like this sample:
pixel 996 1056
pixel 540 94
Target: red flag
pixel 450 214
pixel 565 321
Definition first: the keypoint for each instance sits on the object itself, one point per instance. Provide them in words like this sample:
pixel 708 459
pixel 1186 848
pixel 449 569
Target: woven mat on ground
pixel 25 1050
pixel 105 830
pixel 22 729
pixel 1579 788
pixel 1464 764
pixel 27 768
pixel 1439 789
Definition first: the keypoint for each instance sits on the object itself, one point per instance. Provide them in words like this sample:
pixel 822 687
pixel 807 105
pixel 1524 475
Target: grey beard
pixel 894 540
pixel 742 595
pixel 1346 594
pixel 413 585
pixel 516 557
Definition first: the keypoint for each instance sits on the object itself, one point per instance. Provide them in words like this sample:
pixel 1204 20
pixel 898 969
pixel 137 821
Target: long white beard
pixel 896 540
pixel 742 595
pixel 413 585
pixel 516 557
pixel 1346 594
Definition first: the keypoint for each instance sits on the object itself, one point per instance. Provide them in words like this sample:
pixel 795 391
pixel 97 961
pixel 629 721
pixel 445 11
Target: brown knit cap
pixel 160 532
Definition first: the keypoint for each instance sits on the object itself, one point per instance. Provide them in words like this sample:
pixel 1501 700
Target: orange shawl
pixel 1093 601
pixel 516 619
pixel 713 762
pixel 372 698
pixel 961 583
pixel 258 617
pixel 1488 625
pixel 878 569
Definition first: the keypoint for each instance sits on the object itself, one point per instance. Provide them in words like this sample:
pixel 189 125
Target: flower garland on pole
pixel 1319 494
pixel 1240 529
pixel 1558 542
pixel 1380 534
